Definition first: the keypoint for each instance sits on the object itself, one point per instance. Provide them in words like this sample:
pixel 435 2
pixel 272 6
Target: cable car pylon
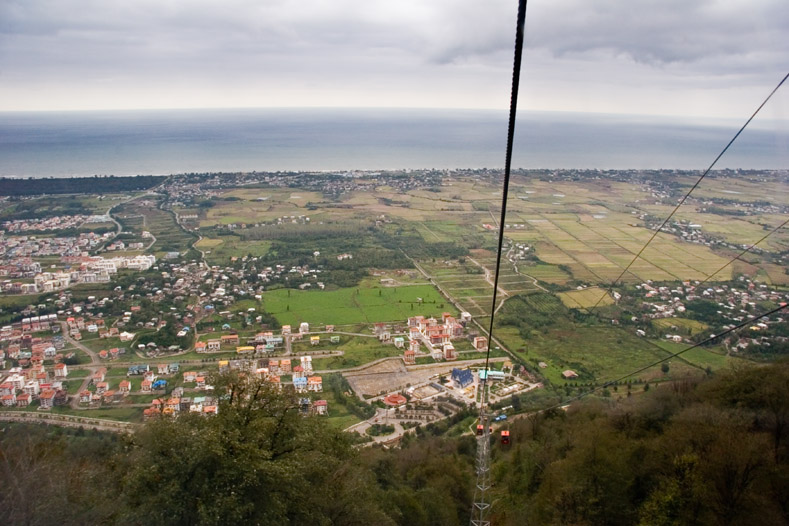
pixel 481 505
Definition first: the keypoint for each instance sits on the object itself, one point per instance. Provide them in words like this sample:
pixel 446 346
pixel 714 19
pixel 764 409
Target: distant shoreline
pixel 81 144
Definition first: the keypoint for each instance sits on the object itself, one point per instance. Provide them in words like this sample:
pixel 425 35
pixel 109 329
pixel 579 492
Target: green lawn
pixel 339 416
pixel 231 246
pixel 358 351
pixel 700 356
pixel 363 304
pixel 140 399
pixel 683 326
pixel 595 353
pixel 124 414
pixel 72 386
pixel 96 344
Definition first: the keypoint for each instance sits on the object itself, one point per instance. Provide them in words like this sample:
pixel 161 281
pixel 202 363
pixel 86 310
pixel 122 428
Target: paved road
pixel 489 278
pixel 459 306
pixel 95 363
pixel 379 418
pixel 67 421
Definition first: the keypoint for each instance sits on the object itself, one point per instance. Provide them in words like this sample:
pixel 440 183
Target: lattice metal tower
pixel 481 506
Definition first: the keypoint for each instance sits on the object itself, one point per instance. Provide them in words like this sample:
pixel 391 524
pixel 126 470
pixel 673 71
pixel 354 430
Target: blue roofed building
pixel 462 377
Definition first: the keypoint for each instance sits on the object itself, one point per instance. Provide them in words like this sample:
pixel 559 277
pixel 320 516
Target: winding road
pixel 95 363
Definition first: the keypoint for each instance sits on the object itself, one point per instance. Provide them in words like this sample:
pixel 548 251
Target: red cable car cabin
pixel 505 437
pixel 481 429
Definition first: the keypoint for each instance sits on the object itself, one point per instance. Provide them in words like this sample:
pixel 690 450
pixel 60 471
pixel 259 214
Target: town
pixel 360 294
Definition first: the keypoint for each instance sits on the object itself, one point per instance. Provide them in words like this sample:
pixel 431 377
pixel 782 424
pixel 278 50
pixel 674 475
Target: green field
pixel 219 251
pixel 245 207
pixel 596 353
pixel 543 272
pixel 145 215
pixel 701 357
pixel 339 416
pixel 124 414
pixel 683 326
pixel 72 386
pixel 364 304
pixel 356 351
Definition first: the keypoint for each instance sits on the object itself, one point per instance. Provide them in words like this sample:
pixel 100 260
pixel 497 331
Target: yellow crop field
pixel 586 298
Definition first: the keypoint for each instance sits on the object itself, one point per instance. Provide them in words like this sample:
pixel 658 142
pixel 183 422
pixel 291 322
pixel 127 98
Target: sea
pixel 161 142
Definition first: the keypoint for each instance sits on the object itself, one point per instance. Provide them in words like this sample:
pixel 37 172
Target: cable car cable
pixel 682 201
pixel 745 251
pixel 673 355
pixel 516 73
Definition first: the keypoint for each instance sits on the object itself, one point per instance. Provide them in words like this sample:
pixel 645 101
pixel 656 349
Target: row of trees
pixel 78 185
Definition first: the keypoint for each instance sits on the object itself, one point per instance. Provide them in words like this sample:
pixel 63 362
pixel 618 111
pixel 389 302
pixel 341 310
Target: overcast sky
pixel 662 57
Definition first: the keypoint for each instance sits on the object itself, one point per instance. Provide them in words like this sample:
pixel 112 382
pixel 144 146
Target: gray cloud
pixel 442 52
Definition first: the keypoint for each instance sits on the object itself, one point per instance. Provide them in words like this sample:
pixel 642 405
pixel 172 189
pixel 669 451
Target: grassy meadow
pixel 367 303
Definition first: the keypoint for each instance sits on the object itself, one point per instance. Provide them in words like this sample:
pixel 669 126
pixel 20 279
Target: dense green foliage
pixel 532 311
pixel 78 185
pixel 341 389
pixel 257 462
pixel 712 451
pixel 295 245
pixel 26 208
pixel 53 475
pixel 372 247
pixel 703 310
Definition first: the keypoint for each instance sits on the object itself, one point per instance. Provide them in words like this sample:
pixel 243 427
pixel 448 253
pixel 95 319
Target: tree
pixel 256 462
pixel 762 390
pixel 55 476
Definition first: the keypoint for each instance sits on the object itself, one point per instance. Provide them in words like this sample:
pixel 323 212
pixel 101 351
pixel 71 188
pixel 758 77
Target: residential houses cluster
pixel 24 267
pixel 177 404
pixel 436 335
pixel 89 269
pixel 272 370
pixel 17 341
pixel 736 304
pixel 24 386
pixel 262 343
pixel 97 325
pixel 268 370
pixel 100 391
pixel 120 245
pixel 32 246
pixel 44 224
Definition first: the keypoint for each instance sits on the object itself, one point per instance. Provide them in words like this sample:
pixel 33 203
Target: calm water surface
pixel 176 141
